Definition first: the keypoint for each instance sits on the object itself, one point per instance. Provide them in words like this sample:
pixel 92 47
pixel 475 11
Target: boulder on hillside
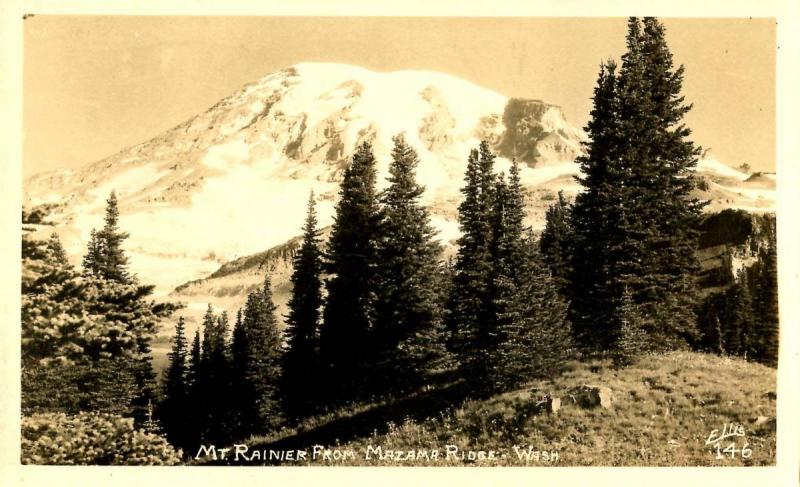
pixel 764 422
pixel 548 404
pixel 591 396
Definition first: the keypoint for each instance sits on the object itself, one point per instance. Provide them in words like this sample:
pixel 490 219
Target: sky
pixel 94 85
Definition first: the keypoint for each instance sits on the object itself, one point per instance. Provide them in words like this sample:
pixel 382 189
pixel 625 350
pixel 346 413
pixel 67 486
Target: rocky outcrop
pixel 585 396
pixel 549 404
pixel 533 128
pixel 729 241
pixel 437 126
pixel 591 396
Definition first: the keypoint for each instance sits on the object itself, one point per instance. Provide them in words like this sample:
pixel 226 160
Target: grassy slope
pixel 664 409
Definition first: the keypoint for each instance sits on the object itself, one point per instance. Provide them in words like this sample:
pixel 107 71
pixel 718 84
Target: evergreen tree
pixel 595 219
pixel 742 311
pixel 239 394
pixel 407 332
pixel 113 265
pixel 351 261
pixel 146 384
pixel 470 313
pixel 94 256
pixel 59 255
pixel 195 411
pixel 555 239
pixel 507 237
pixel 632 340
pixel 100 329
pixel 260 411
pixel 638 176
pixel 766 328
pixel 194 360
pixel 712 338
pixel 663 217
pixel 174 407
pixel 535 339
pixel 506 264
pixel 213 379
pixel 300 365
pixel 531 335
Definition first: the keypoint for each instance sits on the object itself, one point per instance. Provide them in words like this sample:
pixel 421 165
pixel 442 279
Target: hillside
pixel 662 412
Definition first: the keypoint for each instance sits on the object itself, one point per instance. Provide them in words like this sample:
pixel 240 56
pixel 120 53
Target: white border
pixel 787 13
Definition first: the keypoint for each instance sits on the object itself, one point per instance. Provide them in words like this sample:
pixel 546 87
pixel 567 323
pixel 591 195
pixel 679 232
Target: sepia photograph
pixel 400 241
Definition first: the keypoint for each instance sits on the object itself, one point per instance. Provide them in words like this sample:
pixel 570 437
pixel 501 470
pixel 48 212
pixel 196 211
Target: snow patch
pixel 714 166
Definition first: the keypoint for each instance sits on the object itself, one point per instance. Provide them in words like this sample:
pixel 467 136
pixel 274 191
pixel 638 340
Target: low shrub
pixel 91 439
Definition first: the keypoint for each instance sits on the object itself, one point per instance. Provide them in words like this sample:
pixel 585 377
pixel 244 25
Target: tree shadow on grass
pixel 417 407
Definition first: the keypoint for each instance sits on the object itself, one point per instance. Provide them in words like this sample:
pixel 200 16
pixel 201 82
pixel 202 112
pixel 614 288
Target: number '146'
pixel 731 450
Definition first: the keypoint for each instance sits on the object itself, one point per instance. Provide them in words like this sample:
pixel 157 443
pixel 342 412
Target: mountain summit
pixel 234 180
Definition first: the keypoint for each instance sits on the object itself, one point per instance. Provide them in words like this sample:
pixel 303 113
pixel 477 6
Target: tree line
pixel 377 312
pixel 625 251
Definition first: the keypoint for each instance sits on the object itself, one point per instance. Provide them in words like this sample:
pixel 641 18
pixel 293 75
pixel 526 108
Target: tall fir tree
pixel 535 335
pixel 195 411
pixel 113 264
pixel 638 176
pixel 174 406
pixel 766 328
pixel 508 232
pixel 740 316
pixel 351 262
pixel 407 336
pixel 194 359
pixel 662 216
pixel 121 300
pixel 532 337
pixel 556 238
pixel 470 307
pixel 94 256
pixel 240 395
pixel 261 408
pixel 301 361
pixel 595 219
pixel 146 384
pixel 213 378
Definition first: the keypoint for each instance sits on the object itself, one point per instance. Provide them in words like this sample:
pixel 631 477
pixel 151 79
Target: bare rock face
pixel 536 131
pixel 591 396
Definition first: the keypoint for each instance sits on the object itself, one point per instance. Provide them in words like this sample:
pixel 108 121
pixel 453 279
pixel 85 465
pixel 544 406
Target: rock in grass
pixel 549 404
pixel 591 396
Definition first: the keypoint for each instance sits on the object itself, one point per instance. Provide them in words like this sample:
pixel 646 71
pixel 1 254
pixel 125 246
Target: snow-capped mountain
pixel 234 180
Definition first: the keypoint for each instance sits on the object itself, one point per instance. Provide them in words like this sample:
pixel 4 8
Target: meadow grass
pixel 664 409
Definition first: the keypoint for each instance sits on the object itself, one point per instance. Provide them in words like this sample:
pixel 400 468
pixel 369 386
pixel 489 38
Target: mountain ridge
pixel 271 142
